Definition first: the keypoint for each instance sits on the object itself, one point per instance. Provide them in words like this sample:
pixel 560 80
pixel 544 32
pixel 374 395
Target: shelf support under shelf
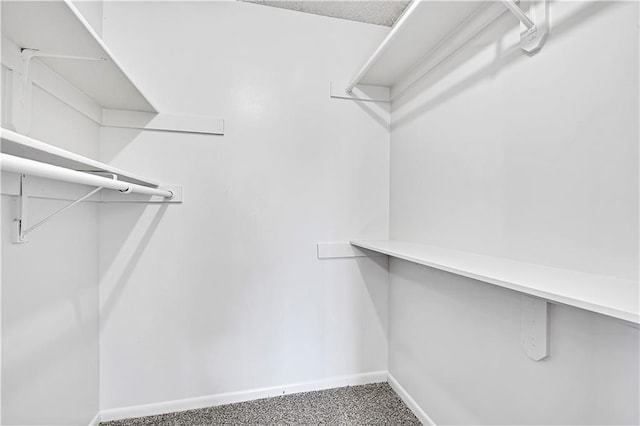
pixel 534 327
pixel 21 229
pixel 534 30
pixel 23 83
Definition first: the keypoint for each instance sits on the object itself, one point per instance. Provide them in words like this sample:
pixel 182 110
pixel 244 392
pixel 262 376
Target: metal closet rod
pixel 10 163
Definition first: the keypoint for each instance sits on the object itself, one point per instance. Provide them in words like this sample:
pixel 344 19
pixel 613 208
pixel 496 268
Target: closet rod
pixel 10 163
pixel 522 17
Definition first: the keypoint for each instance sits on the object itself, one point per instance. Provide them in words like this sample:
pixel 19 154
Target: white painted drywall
pixel 224 292
pixel 531 158
pixel 454 345
pixel 50 289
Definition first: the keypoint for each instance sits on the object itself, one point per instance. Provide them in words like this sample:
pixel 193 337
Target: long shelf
pixel 56 27
pixel 426 34
pixel 421 32
pixel 25 147
pixel 605 295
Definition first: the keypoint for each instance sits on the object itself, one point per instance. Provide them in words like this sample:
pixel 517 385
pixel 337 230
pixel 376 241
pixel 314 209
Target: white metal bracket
pixel 21 229
pixel 21 95
pixel 534 327
pixel 23 83
pixel 361 92
pixel 120 197
pixel 534 27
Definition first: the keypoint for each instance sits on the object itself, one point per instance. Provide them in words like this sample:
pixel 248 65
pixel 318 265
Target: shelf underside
pixel 422 32
pixel 53 27
pixel 613 297
pixel 25 147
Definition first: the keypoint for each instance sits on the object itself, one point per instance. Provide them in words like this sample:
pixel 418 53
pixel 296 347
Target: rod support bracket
pixel 531 40
pixel 534 27
pixel 21 230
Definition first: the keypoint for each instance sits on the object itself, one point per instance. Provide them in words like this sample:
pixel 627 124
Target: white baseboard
pixel 96 420
pixel 411 403
pixel 233 397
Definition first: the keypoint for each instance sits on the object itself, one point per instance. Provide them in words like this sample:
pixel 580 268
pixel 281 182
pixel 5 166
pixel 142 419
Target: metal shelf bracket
pixel 23 83
pixel 534 327
pixel 21 230
pixel 534 27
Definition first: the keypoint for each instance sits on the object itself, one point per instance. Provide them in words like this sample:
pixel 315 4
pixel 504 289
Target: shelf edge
pixel 45 148
pixel 106 49
pixel 629 316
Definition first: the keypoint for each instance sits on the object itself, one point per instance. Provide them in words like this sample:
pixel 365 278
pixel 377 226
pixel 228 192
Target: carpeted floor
pixel 375 404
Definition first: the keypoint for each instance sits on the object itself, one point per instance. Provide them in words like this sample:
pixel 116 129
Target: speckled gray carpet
pixel 375 404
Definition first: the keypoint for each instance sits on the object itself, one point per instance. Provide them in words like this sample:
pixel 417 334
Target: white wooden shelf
pixel 605 295
pixel 423 30
pixel 56 27
pixel 25 147
pixel 429 32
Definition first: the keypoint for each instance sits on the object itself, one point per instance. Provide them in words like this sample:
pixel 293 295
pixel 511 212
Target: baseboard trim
pixel 233 397
pixel 96 420
pixel 411 403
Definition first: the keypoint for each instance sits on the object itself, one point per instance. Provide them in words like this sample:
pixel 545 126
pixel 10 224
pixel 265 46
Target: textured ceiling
pixel 380 12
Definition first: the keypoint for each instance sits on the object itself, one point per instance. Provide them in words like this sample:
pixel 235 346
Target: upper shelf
pixel 605 295
pixel 429 31
pixel 422 29
pixel 56 27
pixel 25 147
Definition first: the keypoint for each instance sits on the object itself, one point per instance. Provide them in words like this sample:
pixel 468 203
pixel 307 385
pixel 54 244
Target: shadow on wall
pixel 49 327
pixel 30 368
pixel 374 271
pixel 133 254
pixel 379 111
pixel 116 139
pixel 502 58
pixel 353 288
pixel 111 148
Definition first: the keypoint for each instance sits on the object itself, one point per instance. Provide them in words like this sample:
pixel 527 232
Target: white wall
pixel 531 158
pixel 496 152
pixel 224 292
pixel 49 287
